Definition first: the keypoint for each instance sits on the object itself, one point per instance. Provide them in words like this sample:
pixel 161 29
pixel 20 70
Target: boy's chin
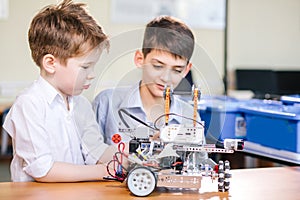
pixel 159 95
pixel 77 92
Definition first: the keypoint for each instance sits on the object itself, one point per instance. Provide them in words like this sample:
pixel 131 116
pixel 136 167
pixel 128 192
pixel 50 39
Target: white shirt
pixel 43 131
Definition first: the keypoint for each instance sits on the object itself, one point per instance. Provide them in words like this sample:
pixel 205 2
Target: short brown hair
pixel 64 30
pixel 170 34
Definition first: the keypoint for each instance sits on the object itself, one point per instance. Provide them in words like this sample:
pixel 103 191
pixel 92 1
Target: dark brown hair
pixel 65 30
pixel 167 33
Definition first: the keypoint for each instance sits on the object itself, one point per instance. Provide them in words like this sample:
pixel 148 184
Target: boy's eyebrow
pixel 88 63
pixel 156 60
pixel 177 66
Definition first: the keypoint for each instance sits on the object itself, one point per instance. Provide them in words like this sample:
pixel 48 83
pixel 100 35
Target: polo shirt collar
pixel 133 98
pixel 133 101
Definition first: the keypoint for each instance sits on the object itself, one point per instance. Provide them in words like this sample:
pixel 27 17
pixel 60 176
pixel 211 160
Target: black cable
pixel 133 117
pixel 155 122
pixel 121 117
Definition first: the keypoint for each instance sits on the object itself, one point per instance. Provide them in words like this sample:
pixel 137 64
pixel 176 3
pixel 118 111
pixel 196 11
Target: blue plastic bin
pixel 290 99
pixel 273 124
pixel 222 118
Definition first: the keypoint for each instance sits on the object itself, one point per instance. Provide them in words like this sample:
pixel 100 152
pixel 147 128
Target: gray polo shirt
pixel 108 102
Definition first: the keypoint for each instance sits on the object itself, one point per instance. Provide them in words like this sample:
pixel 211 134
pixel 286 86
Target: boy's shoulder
pixel 31 93
pixel 39 88
pixel 32 98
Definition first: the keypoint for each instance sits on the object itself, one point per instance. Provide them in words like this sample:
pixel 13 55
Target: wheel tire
pixel 141 181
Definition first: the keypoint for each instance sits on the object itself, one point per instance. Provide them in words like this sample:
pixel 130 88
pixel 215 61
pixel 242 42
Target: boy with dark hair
pixel 168 45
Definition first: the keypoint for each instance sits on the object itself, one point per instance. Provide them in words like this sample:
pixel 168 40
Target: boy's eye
pixel 157 66
pixel 84 67
pixel 178 71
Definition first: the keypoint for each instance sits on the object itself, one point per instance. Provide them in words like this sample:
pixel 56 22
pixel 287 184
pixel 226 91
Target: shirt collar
pixel 133 100
pixel 50 92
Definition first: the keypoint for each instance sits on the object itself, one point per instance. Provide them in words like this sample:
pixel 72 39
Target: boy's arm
pixel 95 151
pixel 66 172
pixel 94 148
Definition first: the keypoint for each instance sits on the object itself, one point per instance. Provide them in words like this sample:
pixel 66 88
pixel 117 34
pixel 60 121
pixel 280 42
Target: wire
pixel 133 117
pixel 122 118
pixel 107 168
pixel 118 161
pixel 120 176
pixel 175 115
pixel 121 110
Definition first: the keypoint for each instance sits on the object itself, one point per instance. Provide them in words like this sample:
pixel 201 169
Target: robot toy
pixel 177 159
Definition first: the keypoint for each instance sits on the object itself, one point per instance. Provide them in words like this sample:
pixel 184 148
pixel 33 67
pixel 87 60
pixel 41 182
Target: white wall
pixel 264 34
pixel 261 33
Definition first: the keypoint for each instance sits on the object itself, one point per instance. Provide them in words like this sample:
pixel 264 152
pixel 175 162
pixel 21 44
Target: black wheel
pixel 141 181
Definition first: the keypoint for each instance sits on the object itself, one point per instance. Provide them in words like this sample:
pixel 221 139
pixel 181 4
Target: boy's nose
pixel 91 75
pixel 166 76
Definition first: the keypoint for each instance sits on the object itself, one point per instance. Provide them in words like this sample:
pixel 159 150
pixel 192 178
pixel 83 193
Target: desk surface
pixel 259 183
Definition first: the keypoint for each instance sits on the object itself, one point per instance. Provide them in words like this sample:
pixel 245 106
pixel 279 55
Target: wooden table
pixel 281 183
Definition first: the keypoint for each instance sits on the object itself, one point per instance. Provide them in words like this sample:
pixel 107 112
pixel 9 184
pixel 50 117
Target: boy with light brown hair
pixel 55 135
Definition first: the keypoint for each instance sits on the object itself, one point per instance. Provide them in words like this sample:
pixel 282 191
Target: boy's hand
pixel 155 136
pixel 107 155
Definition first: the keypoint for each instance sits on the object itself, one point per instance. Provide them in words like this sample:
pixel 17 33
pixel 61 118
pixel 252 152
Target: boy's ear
pixel 187 69
pixel 139 58
pixel 49 63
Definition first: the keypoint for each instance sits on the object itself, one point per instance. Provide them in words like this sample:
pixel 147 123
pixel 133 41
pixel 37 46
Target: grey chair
pixel 4 135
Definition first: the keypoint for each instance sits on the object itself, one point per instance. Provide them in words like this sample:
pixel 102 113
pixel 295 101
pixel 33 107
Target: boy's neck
pixel 51 81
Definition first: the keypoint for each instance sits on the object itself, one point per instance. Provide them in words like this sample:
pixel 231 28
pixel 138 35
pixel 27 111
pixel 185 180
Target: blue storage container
pixel 290 99
pixel 222 118
pixel 273 124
